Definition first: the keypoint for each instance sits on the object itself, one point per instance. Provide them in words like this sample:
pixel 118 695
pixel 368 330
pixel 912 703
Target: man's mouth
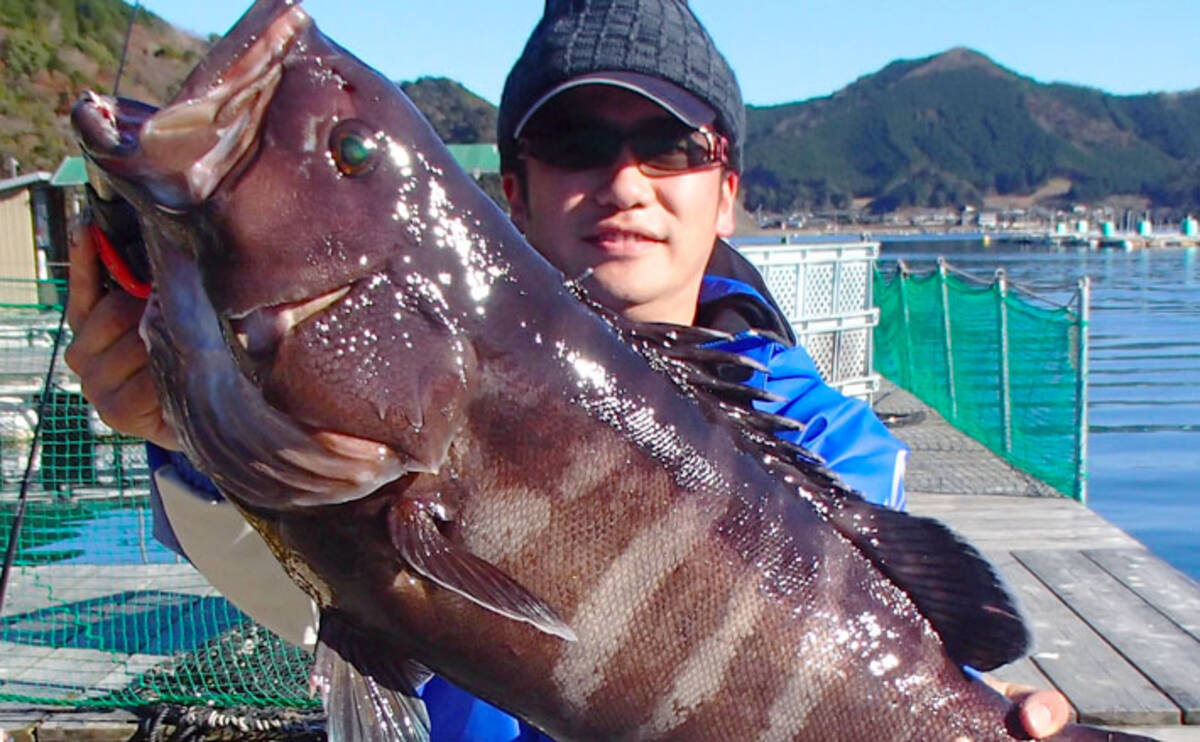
pixel 617 241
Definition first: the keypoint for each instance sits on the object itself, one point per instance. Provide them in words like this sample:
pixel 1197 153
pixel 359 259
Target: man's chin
pixel 619 292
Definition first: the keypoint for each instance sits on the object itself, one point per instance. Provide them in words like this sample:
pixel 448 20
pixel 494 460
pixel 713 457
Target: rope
pixel 168 722
pixel 903 270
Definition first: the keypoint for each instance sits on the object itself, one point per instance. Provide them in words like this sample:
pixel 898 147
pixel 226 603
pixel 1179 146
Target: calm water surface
pixel 1144 381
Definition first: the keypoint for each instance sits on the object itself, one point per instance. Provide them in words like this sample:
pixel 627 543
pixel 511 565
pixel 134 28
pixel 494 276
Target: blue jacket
pixel 843 431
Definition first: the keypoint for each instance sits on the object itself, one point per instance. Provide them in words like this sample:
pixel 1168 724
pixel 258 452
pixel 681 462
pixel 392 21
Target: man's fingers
pixel 1044 713
pixel 109 320
pixel 111 367
pixel 131 406
pixel 136 403
pixel 84 288
pixel 1037 713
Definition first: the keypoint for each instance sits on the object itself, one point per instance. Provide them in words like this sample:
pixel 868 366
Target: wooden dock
pixel 1116 629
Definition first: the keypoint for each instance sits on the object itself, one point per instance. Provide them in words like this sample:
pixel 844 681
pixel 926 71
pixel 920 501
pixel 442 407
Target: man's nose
pixel 625 186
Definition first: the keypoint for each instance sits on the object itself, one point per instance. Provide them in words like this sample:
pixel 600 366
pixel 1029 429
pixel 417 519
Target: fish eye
pixel 354 148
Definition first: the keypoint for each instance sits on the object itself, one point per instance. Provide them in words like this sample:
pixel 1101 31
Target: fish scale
pixel 474 470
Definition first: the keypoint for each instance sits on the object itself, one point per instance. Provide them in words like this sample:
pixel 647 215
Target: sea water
pixel 1144 378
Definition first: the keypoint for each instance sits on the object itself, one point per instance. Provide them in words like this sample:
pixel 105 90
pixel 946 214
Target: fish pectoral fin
pixel 419 541
pixel 366 698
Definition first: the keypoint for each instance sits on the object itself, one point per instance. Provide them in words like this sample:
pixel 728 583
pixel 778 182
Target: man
pixel 620 131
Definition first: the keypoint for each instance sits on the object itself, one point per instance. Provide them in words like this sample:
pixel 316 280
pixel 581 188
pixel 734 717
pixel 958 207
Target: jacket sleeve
pixel 457 716
pixel 843 431
pixel 192 519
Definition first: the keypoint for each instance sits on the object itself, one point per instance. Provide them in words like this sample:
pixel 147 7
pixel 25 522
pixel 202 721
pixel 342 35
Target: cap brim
pixel 675 100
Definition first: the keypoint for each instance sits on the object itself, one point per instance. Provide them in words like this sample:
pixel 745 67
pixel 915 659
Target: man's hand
pixel 1042 713
pixel 107 352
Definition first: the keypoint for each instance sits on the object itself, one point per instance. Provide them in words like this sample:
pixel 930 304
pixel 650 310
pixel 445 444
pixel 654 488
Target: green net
pixel 97 613
pixel 1002 369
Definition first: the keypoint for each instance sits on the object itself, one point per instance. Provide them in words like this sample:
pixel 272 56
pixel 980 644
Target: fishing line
pixel 125 46
pixel 14 531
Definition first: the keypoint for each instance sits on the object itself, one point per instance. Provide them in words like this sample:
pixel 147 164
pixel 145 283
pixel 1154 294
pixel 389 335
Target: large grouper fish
pixel 473 470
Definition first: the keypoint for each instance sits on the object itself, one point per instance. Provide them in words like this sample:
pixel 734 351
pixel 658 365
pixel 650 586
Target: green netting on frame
pixel 97 613
pixel 995 364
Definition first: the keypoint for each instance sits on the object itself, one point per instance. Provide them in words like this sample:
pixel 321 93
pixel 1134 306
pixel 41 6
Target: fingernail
pixel 1038 716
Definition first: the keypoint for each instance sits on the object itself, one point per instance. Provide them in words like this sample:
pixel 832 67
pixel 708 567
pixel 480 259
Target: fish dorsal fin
pixel 953 585
pixel 701 372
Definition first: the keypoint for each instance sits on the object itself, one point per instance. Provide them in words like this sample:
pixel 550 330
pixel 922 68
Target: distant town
pixel 1103 226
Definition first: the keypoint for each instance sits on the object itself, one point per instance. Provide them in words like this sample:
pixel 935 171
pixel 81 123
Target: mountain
pixel 458 115
pixel 956 127
pixel 51 50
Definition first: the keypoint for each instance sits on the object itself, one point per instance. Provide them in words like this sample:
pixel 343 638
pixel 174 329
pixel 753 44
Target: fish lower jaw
pixel 100 113
pixel 260 331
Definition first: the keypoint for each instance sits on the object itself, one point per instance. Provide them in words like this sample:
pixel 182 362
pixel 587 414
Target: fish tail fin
pixel 1081 733
pixel 362 704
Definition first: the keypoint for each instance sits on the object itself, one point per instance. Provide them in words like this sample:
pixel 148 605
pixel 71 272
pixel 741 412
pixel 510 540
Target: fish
pixel 476 471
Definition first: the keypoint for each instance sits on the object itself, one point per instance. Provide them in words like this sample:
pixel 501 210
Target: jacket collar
pixel 734 298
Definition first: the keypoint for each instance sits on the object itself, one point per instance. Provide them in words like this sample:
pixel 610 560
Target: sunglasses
pixel 660 146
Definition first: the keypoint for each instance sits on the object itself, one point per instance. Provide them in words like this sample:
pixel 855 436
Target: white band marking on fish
pixel 795 701
pixel 702 676
pixel 587 472
pixel 604 619
pixel 513 517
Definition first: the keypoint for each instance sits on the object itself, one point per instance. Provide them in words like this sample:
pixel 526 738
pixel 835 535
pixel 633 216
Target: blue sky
pixel 781 50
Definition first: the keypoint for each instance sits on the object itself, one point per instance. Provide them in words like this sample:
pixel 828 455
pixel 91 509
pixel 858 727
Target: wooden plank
pixel 1028 542
pixel 1102 686
pixel 1173 593
pixel 1019 523
pixel 1159 648
pixel 1180 733
pixel 88 727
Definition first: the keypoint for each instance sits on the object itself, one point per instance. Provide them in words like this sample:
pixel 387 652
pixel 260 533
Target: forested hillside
pixel 51 50
pixel 953 128
pixel 458 115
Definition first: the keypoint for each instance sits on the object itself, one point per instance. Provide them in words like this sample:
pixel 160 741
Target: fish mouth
pixel 183 152
pixel 109 127
pixel 260 331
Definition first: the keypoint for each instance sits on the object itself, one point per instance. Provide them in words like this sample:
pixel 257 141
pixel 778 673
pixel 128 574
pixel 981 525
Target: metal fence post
pixel 1005 389
pixel 902 275
pixel 1081 388
pixel 949 344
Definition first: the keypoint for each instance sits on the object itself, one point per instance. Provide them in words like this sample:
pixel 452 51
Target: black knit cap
pixel 656 38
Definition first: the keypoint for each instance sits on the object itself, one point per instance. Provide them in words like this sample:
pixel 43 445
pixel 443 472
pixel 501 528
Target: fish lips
pixel 259 332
